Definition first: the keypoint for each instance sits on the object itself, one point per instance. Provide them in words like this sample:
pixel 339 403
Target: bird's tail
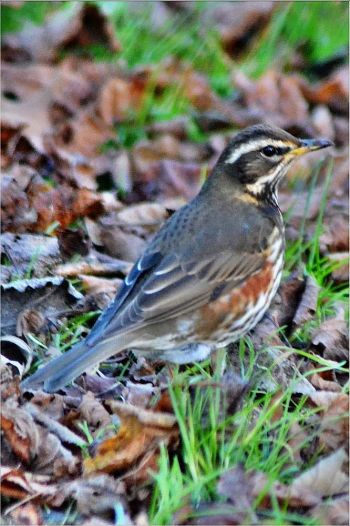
pixel 63 369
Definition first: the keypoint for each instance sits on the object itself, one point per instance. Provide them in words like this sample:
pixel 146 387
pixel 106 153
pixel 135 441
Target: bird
pixel 208 275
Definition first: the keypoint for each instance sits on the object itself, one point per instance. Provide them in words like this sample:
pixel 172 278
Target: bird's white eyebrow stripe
pixel 256 145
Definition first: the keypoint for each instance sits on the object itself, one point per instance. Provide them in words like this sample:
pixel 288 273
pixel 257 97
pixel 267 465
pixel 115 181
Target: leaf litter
pixel 85 185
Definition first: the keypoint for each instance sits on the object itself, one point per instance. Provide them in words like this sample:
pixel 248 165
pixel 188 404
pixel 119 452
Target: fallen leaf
pixel 111 268
pixel 36 445
pixel 235 486
pixel 335 236
pixel 297 440
pixel 145 416
pixel 19 484
pixel 63 30
pixel 90 27
pixel 93 412
pixel 323 384
pixel 340 273
pixel 20 431
pixel 325 478
pixel 167 179
pixel 16 353
pixel 308 303
pixel 292 497
pixel 267 97
pixel 334 91
pixel 72 242
pixel 121 96
pixel 138 438
pixel 331 337
pixel 22 249
pixel 50 297
pixel 237 23
pixel 334 425
pixel 43 205
pixel 335 512
pixel 207 514
pixel 94 285
pixel 96 495
pixel 27 515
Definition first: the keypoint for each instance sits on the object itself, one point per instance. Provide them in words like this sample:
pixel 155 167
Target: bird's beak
pixel 310 145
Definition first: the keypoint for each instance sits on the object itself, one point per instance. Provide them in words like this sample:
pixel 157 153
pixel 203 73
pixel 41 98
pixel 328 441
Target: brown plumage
pixel 209 274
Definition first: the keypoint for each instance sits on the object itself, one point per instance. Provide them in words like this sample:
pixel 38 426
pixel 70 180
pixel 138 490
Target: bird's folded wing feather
pixel 160 288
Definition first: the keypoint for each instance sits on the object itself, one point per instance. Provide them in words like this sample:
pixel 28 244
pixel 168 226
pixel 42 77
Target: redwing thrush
pixel 209 274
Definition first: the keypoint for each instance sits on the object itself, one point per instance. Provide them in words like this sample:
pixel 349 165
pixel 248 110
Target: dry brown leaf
pixel 133 441
pixel 95 495
pixel 76 26
pixel 89 27
pixel 124 234
pixel 333 432
pixel 72 242
pixel 237 22
pixel 94 285
pixel 257 484
pixel 9 384
pixel 93 412
pixel 268 95
pixel 52 405
pixel 21 249
pixel 19 484
pixel 335 512
pixel 297 440
pixel 30 116
pixel 53 297
pixel 137 441
pixel 143 214
pixel 20 431
pixel 286 494
pixel 145 416
pixel 120 242
pixel 335 236
pixel 331 337
pixel 41 205
pixel 326 478
pixel 207 514
pixel 323 384
pixel 120 97
pixel 334 91
pixel 63 205
pixel 87 133
pixel 30 321
pixel 27 515
pixel 70 270
pixel 15 353
pixel 237 488
pixel 340 274
pixel 308 303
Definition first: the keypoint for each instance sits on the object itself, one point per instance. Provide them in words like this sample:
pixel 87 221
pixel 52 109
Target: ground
pixel 113 115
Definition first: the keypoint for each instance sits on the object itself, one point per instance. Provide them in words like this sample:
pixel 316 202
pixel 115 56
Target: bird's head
pixel 258 157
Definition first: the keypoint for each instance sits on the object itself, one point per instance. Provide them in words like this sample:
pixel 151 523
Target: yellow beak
pixel 310 145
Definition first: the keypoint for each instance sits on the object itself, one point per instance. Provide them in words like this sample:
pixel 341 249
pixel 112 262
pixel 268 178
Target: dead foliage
pixel 81 199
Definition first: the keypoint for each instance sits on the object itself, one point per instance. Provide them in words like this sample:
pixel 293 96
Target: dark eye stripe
pixel 271 151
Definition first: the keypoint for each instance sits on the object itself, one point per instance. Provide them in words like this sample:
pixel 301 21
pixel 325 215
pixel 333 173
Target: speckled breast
pixel 234 314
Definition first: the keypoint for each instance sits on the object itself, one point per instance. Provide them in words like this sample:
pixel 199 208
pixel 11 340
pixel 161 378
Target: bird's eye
pixel 269 151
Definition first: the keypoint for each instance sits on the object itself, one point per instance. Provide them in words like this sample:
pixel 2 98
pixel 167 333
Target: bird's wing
pixel 160 288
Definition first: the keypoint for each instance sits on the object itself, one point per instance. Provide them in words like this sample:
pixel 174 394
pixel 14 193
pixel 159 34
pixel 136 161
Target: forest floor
pixel 113 115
